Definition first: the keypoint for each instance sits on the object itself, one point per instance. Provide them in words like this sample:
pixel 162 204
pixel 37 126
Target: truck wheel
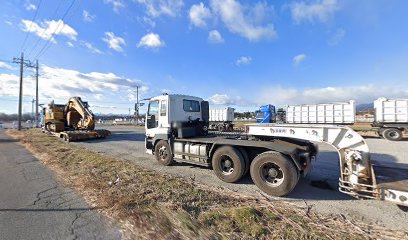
pixel 228 164
pixel 274 173
pixel 246 160
pixel 392 134
pixel 163 153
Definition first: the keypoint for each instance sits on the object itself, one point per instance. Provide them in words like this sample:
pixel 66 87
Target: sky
pixel 237 53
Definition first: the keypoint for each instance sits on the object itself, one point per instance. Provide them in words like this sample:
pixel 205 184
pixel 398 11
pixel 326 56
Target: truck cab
pixel 266 114
pixel 175 115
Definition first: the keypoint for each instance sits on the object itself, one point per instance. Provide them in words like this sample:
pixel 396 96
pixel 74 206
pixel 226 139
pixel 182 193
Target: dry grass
pixel 155 206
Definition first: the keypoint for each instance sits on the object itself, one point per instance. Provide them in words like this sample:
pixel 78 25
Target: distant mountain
pixel 364 107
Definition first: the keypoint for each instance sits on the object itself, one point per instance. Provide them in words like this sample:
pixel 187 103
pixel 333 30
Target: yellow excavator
pixel 72 122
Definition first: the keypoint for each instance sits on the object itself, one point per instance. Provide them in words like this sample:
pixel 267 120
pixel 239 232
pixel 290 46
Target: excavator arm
pixel 78 115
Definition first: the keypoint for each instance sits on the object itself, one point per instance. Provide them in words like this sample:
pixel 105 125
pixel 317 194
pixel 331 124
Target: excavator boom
pixel 78 115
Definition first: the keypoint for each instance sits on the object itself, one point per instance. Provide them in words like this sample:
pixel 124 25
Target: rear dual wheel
pixel 228 164
pixel 274 173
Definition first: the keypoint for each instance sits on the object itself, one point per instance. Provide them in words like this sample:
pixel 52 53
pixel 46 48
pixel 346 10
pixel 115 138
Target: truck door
pixel 152 120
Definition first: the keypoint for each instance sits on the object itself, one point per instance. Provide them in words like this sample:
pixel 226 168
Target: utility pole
pixel 137 103
pixel 22 63
pixel 20 97
pixel 36 94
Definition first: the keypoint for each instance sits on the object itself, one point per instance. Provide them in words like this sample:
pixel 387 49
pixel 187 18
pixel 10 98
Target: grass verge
pixel 155 206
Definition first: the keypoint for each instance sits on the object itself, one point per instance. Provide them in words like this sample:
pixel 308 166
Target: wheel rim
pixel 226 165
pixel 393 134
pixel 163 153
pixel 272 174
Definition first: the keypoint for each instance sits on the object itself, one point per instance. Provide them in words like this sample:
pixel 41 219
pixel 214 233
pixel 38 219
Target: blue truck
pixel 266 114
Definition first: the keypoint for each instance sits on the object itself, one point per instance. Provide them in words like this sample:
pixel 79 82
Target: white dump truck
pixel 276 155
pixel 221 119
pixel 390 116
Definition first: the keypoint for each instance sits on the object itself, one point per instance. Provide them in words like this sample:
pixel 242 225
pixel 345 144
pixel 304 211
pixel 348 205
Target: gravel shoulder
pixel 128 143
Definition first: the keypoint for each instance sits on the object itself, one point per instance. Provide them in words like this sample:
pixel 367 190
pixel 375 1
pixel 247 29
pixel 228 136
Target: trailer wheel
pixel 274 173
pixel 163 153
pixel 392 134
pixel 228 164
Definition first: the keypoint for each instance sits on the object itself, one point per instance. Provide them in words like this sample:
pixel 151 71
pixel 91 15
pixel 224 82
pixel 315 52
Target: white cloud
pixel 247 22
pixel 319 10
pixel 7 66
pixel 149 22
pixel 221 99
pixel 75 83
pixel 243 61
pixel 91 48
pixel 157 8
pixel 215 37
pixel 337 37
pixel 198 14
pixel 116 4
pixel 30 7
pixel 114 42
pixel 46 29
pixel 151 40
pixel 298 59
pixel 362 94
pixel 87 16
pixel 70 44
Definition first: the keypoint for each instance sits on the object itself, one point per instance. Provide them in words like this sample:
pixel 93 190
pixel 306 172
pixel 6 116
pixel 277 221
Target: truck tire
pixel 392 134
pixel 228 164
pixel 163 153
pixel 246 160
pixel 274 173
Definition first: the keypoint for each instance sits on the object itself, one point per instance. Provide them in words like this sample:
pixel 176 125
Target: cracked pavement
pixel 33 205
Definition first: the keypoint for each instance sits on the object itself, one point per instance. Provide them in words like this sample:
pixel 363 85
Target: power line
pixel 50 45
pixel 31 24
pixel 45 48
pixel 42 33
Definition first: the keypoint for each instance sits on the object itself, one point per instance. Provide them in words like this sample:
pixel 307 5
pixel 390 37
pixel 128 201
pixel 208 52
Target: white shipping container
pixel 222 114
pixel 328 113
pixel 391 110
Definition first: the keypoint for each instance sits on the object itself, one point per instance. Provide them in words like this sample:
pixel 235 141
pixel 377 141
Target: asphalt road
pixel 128 143
pixel 33 205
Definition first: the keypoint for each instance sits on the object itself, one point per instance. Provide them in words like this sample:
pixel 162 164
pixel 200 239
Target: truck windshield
pixel 260 115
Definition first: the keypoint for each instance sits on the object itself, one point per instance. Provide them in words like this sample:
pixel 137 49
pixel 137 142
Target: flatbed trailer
pixel 358 176
pixel 80 135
